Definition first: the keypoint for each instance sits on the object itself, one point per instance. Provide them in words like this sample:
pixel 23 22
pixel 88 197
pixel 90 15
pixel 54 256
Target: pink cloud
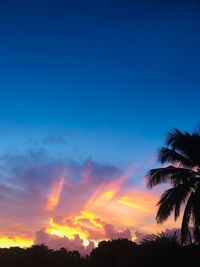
pixel 55 242
pixel 139 236
pixel 112 233
pixel 97 201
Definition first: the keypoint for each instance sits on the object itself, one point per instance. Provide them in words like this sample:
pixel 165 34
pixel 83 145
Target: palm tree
pixel 161 240
pixel 182 154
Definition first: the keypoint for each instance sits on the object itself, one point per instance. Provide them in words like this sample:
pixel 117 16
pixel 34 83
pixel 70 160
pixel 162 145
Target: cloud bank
pixel 56 242
pixel 75 202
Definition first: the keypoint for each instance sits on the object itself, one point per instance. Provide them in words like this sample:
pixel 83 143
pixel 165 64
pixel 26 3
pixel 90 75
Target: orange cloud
pixel 111 204
pixel 54 196
pixel 7 242
pixel 99 202
pixel 64 230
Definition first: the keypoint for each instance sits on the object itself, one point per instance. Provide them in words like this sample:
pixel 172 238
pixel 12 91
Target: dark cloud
pixel 36 169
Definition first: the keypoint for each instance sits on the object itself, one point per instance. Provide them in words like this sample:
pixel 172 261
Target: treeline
pixel 115 253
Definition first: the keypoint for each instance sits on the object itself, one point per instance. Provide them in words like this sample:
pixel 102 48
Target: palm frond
pixel 167 174
pixel 186 144
pixel 161 239
pixel 172 200
pixel 167 155
pixel 184 176
pixel 174 136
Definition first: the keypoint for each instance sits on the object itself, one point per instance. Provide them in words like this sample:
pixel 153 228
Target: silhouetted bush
pixel 157 250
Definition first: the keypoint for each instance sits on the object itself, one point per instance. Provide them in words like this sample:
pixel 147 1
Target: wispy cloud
pixel 49 140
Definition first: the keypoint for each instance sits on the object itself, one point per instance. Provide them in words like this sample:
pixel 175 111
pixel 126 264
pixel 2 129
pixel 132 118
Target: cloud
pixel 30 180
pixel 112 233
pixel 49 140
pixel 54 236
pixel 139 236
pixel 88 227
pixel 55 242
pixel 53 140
pixel 92 200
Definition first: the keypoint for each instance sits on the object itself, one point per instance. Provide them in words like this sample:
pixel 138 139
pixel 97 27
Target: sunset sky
pixel 89 90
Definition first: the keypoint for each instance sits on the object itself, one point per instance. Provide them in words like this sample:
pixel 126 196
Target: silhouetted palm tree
pixel 161 239
pixel 182 151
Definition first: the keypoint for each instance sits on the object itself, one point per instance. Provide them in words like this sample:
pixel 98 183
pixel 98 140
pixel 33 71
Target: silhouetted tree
pixel 161 250
pixel 39 255
pixel 113 253
pixel 182 151
pixel 158 250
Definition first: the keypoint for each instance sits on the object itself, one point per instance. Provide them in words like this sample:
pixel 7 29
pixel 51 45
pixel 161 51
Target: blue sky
pixel 111 77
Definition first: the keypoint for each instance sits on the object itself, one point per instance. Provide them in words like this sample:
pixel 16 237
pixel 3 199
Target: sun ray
pixel 55 194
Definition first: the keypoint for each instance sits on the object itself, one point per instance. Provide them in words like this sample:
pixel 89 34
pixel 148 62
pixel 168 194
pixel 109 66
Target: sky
pixel 89 90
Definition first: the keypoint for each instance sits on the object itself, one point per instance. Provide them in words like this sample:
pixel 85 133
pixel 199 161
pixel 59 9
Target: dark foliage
pixel 157 250
pixel 40 256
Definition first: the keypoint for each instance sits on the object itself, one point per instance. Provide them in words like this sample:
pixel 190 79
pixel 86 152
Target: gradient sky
pixel 89 90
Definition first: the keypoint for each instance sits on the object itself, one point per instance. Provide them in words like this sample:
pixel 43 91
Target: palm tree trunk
pixel 190 237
